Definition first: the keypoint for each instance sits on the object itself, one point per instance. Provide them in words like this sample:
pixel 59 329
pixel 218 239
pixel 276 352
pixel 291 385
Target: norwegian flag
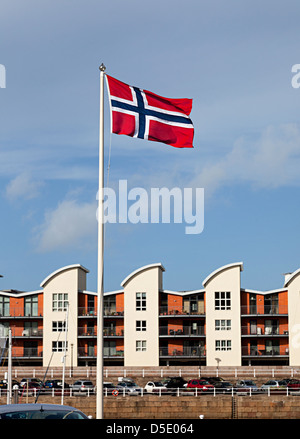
pixel 140 113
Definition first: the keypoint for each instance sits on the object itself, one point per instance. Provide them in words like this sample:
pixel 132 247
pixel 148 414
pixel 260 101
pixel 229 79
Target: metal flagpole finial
pixel 102 68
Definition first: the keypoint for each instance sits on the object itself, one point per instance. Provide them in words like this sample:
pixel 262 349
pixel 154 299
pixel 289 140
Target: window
pixel 222 300
pixel 58 326
pixel 59 346
pixel 141 345
pixel 4 306
pixel 222 325
pixel 4 329
pixel 109 304
pixel 140 301
pixel 31 306
pixel 223 345
pixel 109 349
pixel 141 325
pixel 59 302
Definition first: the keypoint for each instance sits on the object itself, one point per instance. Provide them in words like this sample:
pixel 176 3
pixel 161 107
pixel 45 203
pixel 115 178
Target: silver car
pixel 40 411
pixel 128 387
pixel 83 386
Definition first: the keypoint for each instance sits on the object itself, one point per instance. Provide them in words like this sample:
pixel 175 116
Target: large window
pixel 141 345
pixel 31 306
pixel 59 346
pixel 140 302
pixel 59 302
pixel 58 326
pixel 223 345
pixel 222 300
pixel 222 325
pixel 141 325
pixel 4 306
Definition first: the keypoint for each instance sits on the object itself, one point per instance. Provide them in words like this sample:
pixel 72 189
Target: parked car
pixel 293 384
pixel 155 387
pixel 24 381
pixel 4 384
pixel 55 384
pixel 108 388
pixel 83 386
pixel 274 384
pixel 204 385
pixel 175 383
pixel 246 385
pixel 224 387
pixel 40 411
pixel 129 387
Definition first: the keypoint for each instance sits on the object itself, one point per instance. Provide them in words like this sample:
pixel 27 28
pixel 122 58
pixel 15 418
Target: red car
pixel 293 384
pixel 200 384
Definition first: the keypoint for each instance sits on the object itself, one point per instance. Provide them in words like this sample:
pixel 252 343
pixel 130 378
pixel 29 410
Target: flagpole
pixel 99 371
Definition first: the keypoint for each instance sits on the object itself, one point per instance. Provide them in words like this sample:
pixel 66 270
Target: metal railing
pixel 264 309
pixel 184 331
pixel 182 352
pixel 19 311
pixel 23 394
pixel 264 330
pixel 180 311
pixel 107 311
pixel 273 351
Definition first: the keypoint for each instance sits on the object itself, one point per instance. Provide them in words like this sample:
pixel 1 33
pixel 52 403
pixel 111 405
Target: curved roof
pixel 60 270
pixel 219 270
pixel 291 277
pixel 140 270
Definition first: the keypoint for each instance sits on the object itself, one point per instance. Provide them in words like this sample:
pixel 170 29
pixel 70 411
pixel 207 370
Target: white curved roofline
pixel 20 293
pixel 219 270
pixel 182 293
pixel 60 270
pixel 290 278
pixel 139 270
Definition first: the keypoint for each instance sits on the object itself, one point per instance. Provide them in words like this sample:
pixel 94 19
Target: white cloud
pixel 271 161
pixel 22 187
pixel 71 225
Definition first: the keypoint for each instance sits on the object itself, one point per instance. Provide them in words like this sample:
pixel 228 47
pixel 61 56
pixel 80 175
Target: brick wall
pixel 187 407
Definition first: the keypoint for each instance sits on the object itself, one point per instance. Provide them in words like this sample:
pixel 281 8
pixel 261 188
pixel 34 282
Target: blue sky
pixel 233 58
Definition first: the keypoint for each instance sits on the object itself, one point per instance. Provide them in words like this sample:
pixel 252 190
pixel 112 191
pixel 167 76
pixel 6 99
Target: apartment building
pixel 147 325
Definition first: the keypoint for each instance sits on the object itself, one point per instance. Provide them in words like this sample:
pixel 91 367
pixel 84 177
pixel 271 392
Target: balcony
pixel 107 312
pixel 179 311
pixel 165 331
pixel 19 312
pixel 90 352
pixel 184 352
pixel 107 332
pixel 264 331
pixel 274 351
pixel 28 353
pixel 264 310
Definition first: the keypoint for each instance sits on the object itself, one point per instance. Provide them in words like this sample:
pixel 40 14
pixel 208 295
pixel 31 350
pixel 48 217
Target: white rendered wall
pixel 224 280
pixel 148 281
pixel 67 281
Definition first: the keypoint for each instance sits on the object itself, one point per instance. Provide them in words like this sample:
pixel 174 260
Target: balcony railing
pixel 273 351
pixel 264 310
pixel 264 330
pixel 179 311
pixel 107 311
pixel 18 352
pixel 20 312
pixel 182 352
pixel 107 332
pixel 107 352
pixel 185 331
